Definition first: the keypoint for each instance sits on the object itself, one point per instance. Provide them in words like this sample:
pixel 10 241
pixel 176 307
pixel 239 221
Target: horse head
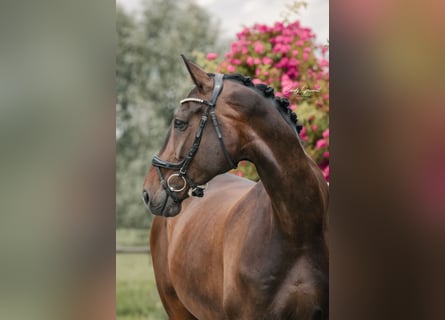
pixel 202 142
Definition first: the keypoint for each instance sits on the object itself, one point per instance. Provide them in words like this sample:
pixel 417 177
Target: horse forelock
pixel 268 92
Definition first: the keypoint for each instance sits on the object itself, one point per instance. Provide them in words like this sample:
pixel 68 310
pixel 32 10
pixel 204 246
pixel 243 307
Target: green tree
pixel 150 80
pixel 171 28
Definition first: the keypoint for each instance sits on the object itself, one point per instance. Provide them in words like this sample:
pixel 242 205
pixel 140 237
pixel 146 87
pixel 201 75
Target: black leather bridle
pixel 196 190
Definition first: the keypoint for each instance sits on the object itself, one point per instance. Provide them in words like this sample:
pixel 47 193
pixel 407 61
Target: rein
pixel 196 190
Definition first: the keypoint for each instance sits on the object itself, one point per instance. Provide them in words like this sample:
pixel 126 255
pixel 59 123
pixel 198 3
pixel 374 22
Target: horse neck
pixel 295 185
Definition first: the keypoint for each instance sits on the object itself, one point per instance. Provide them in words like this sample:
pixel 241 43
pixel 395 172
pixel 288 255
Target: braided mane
pixel 268 92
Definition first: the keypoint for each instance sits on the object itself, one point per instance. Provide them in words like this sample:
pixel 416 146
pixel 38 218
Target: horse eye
pixel 180 125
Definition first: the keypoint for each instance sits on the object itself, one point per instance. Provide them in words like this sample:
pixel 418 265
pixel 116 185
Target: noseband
pixel 196 190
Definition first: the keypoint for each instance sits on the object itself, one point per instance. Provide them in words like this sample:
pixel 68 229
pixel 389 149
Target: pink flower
pixel 303 132
pixel 326 133
pixel 262 28
pixel 278 26
pixel 287 90
pixel 243 33
pixel 212 56
pixel 324 49
pixel 304 36
pixel 231 68
pixel 282 48
pixel 288 39
pixel 267 61
pixel 326 173
pixel 259 48
pixel 294 62
pixel 324 63
pixel 314 127
pixel 291 73
pixel 277 47
pixel 326 154
pixel 249 61
pixel 285 48
pixel 282 63
pixel 321 144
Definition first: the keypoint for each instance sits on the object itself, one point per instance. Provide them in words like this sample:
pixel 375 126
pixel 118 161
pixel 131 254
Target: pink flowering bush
pixel 212 56
pixel 286 57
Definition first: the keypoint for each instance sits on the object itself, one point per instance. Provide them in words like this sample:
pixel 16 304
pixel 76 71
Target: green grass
pixel 136 294
pixel 132 237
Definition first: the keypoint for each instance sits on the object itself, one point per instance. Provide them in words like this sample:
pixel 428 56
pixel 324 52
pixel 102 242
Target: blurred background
pixel 283 44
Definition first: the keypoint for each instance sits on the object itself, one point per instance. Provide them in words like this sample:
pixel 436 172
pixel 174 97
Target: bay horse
pixel 243 250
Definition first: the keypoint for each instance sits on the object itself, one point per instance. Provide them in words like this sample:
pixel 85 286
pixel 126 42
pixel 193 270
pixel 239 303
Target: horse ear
pixel 199 76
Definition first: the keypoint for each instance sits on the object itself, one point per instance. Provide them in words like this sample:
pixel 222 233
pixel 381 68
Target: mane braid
pixel 268 92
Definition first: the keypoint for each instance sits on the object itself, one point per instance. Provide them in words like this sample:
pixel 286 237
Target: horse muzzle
pixel 162 205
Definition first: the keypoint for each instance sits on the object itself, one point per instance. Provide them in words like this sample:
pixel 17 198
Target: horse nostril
pixel 145 197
